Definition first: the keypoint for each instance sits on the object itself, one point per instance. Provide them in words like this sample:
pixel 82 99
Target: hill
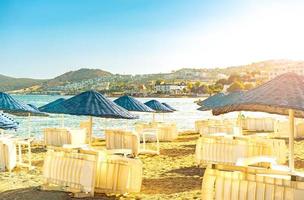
pixel 9 83
pixel 76 76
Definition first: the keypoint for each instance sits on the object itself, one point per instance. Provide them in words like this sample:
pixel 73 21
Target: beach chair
pixel 166 131
pixel 121 141
pixel 87 126
pixel 26 143
pixel 118 175
pixel 258 124
pixel 60 136
pixel 8 155
pixel 221 129
pixel 228 150
pixel 238 183
pixel 71 171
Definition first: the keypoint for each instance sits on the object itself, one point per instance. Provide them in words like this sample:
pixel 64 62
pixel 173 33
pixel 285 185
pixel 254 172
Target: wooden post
pixel 62 121
pixel 291 139
pixel 153 117
pixel 29 125
pixel 90 129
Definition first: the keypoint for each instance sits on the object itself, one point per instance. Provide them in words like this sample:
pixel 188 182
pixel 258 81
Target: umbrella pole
pixel 62 121
pixel 291 140
pixel 29 125
pixel 153 117
pixel 90 129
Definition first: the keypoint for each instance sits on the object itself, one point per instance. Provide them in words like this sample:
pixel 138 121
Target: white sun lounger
pixel 242 183
pixel 60 136
pixel 8 155
pixel 70 171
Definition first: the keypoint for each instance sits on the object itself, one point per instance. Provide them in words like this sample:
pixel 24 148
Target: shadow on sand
pixel 170 185
pixel 33 193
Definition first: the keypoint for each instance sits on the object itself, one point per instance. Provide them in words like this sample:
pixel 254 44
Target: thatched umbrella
pixel 283 95
pixel 158 107
pixel 168 106
pixel 51 107
pixel 210 100
pixel 222 100
pixel 92 104
pixel 131 104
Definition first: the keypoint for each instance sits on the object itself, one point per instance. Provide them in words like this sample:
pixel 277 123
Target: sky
pixel 45 38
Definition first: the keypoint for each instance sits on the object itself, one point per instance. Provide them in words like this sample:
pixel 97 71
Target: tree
pixel 233 78
pixel 236 86
pixel 158 82
pixel 189 86
pixel 197 84
pixel 222 82
pixel 248 86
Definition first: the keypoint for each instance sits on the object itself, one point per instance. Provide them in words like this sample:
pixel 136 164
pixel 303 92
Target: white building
pixel 170 88
pixel 298 69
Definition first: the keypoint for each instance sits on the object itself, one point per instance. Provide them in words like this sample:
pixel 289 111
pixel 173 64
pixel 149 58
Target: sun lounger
pixel 61 136
pixel 223 129
pixel 200 124
pixel 227 150
pixel 236 183
pixel 8 155
pixel 70 171
pixel 118 174
pixel 166 131
pixel 258 124
pixel 282 129
pixel 121 141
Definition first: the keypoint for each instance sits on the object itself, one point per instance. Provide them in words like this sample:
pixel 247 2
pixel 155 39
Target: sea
pixel 184 117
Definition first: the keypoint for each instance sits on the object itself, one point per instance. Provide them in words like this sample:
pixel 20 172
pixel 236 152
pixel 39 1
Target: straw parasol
pixel 158 107
pixel 168 106
pixel 222 100
pixel 10 105
pixel 283 95
pixel 50 106
pixel 131 104
pixel 92 104
pixel 210 100
pixel 15 107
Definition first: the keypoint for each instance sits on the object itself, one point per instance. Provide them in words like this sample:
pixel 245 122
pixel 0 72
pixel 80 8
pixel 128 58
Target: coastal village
pixel 189 82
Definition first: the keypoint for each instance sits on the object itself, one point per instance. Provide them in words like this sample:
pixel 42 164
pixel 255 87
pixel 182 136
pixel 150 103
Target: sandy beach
pixel 171 175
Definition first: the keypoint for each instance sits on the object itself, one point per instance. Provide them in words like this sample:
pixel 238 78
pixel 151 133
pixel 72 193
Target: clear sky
pixel 44 38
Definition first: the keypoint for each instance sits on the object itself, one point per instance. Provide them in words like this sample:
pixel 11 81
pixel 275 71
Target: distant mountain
pixel 9 83
pixel 85 78
pixel 78 75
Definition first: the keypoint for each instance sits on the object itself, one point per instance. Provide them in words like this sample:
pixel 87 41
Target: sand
pixel 171 175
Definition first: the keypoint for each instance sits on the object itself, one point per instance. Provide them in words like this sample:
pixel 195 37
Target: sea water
pixel 184 117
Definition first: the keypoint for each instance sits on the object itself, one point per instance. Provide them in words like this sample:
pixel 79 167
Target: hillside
pixel 76 76
pixel 9 83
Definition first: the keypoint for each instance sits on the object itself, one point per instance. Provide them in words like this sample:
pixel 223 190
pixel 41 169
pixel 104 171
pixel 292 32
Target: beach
pixel 171 175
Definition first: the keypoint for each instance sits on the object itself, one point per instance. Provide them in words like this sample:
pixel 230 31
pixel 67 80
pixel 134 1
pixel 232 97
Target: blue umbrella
pixel 158 107
pixel 168 106
pixel 52 107
pixel 7 122
pixel 34 107
pixel 210 100
pixel 11 105
pixel 92 103
pixel 220 101
pixel 132 104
